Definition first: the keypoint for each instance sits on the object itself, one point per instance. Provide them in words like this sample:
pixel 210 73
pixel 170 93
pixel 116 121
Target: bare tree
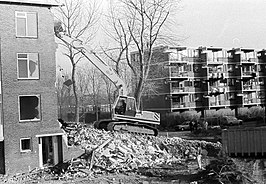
pixel 82 82
pixel 141 25
pixel 78 19
pixel 63 93
pixel 109 91
pixel 94 76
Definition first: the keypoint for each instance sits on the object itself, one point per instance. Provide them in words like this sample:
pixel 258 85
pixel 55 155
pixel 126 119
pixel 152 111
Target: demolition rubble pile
pixel 122 152
pixel 117 152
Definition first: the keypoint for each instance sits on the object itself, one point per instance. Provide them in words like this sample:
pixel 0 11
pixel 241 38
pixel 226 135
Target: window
pixel 231 82
pixel 29 108
pixel 231 96
pixel 191 97
pixel 197 84
pixel 188 68
pixel 261 94
pixel 25 145
pixel 28 65
pixel 26 24
pixel 261 81
pixel 196 68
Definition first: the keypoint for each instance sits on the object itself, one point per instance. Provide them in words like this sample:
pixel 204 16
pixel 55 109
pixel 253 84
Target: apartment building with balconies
pixel 206 78
pixel 30 136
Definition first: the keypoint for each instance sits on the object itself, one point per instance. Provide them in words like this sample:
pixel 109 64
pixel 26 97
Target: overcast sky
pixel 221 23
pixel 224 23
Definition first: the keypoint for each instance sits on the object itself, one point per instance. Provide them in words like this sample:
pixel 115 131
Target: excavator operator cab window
pixel 126 106
pixel 121 106
pixel 131 107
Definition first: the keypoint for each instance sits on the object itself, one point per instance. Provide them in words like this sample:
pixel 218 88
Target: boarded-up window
pixel 26 24
pixel 28 65
pixel 29 108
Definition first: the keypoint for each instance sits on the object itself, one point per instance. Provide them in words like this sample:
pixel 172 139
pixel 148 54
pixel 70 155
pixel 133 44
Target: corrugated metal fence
pixel 245 142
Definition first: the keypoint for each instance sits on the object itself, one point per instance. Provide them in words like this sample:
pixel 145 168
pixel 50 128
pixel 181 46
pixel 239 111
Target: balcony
pixel 249 61
pixel 177 60
pixel 216 75
pixel 250 87
pixel 216 61
pixel 183 74
pixel 250 101
pixel 178 90
pixel 183 90
pixel 183 105
pixel 216 90
pixel 230 60
pixel 249 74
pixel 178 105
pixel 222 59
pixel 219 103
pixel 191 59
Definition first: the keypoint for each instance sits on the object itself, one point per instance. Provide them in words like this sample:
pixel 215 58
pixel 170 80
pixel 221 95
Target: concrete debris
pixel 115 152
pixel 123 152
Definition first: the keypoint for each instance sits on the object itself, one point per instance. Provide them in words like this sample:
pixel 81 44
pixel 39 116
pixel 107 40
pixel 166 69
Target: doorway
pixel 2 158
pixel 50 150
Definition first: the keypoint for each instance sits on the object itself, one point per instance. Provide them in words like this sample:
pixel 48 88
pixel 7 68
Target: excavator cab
pixel 125 106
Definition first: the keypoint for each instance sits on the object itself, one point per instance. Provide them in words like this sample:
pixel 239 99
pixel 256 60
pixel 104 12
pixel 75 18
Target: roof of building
pixel 32 2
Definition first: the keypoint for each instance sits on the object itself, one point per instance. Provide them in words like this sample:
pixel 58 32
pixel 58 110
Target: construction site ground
pixel 97 156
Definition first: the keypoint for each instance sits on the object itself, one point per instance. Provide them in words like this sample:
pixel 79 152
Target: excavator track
pixel 132 128
pixel 122 126
pixel 102 124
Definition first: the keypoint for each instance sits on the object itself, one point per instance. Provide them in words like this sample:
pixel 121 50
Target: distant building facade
pixel 30 135
pixel 205 78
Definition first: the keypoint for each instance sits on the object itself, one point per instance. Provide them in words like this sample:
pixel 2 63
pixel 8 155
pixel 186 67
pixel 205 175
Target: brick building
pixel 29 133
pixel 206 78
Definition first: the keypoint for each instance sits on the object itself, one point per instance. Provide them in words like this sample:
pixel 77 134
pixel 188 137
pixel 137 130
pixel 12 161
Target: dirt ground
pixel 180 174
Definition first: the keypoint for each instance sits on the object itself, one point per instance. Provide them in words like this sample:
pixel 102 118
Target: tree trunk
pixel 138 94
pixel 75 94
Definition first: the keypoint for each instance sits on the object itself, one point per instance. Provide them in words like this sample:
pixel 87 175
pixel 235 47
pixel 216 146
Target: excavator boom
pixel 125 116
pixel 97 62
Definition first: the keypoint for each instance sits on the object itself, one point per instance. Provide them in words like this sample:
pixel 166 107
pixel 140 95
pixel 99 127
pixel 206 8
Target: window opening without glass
pixel 29 108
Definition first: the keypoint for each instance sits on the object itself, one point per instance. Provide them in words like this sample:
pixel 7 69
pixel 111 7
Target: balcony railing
pixel 191 59
pixel 178 105
pixel 249 87
pixel 219 103
pixel 217 90
pixel 251 101
pixel 216 61
pixel 249 74
pixel 216 75
pixel 222 59
pixel 178 60
pixel 250 60
pixel 187 89
pixel 179 74
pixel 183 104
pixel 178 90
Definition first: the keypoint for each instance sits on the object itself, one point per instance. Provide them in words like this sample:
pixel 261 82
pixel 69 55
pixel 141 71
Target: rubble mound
pixel 115 151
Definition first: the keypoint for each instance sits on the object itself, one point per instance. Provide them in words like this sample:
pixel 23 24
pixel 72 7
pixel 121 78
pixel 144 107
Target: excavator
pixel 125 115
